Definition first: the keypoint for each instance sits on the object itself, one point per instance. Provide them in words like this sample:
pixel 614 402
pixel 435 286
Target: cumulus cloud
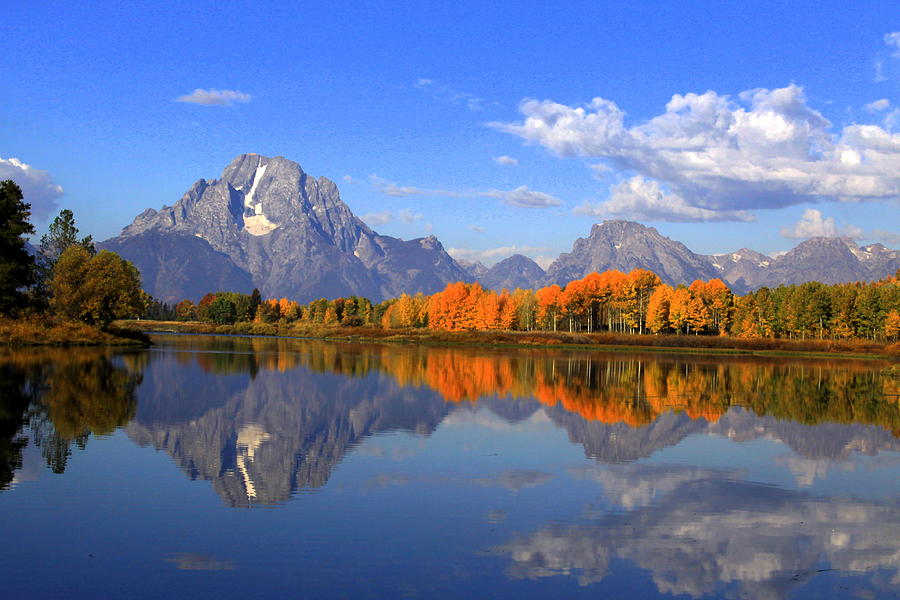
pixel 812 224
pixel 523 197
pixel 493 255
pixel 38 188
pixel 700 533
pixel 878 105
pixel 214 97
pixel 763 149
pixel 644 199
pixel 508 161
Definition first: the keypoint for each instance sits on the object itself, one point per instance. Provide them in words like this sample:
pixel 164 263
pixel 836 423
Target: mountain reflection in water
pixel 265 419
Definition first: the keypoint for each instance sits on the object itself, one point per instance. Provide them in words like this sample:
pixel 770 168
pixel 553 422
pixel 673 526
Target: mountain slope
pixel 291 234
pixel 831 260
pixel 625 245
pixel 517 271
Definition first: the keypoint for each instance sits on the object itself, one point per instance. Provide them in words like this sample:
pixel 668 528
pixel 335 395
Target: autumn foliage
pixel 637 302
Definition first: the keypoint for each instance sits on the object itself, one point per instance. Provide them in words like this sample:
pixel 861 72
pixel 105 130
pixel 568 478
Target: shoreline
pixel 44 331
pixel 540 339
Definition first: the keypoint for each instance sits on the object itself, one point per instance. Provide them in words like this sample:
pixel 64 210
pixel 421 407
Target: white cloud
pixel 508 161
pixel 380 218
pixel 882 63
pixel 879 71
pixel 398 191
pixel 349 179
pixel 214 97
pixel 892 41
pixel 38 188
pixel 408 216
pixel 520 196
pixel 492 255
pixel 476 228
pixel 812 224
pixel 878 105
pixel 544 261
pixel 523 197
pixel 643 199
pixel 766 149
pixel 888 237
pixel 445 93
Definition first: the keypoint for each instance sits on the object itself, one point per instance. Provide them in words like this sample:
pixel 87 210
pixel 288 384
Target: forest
pixel 637 302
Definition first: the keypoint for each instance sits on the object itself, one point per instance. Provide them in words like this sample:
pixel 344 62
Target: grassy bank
pixel 45 330
pixel 679 343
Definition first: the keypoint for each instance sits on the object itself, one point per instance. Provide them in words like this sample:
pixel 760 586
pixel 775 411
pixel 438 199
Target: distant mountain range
pixel 265 223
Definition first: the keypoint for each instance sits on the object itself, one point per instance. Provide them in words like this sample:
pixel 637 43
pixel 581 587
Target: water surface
pixel 252 467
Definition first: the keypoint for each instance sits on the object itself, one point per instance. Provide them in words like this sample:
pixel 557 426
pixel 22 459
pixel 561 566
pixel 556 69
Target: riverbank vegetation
pixel 610 308
pixel 64 292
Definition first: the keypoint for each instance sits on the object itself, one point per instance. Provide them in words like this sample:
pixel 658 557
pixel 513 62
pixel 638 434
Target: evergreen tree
pixel 62 234
pixel 17 266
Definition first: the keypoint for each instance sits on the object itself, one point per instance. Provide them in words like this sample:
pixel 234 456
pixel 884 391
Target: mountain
pixel 743 270
pixel 832 260
pixel 475 269
pixel 827 260
pixel 517 271
pixel 625 245
pixel 265 223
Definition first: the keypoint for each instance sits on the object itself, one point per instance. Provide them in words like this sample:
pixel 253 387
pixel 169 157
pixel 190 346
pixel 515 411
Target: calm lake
pixel 250 467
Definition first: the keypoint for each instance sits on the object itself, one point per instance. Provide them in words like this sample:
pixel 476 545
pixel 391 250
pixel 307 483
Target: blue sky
pixel 723 125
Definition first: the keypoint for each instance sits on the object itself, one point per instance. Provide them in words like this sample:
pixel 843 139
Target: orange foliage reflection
pixel 634 389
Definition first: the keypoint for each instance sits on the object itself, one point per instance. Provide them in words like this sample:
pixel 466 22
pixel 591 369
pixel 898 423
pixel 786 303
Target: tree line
pixel 65 276
pixel 637 302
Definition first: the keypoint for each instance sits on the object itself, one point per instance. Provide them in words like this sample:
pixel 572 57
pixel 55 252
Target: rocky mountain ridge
pixel 625 245
pixel 265 223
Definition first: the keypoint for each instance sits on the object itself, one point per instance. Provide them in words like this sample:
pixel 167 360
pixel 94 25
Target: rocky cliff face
pixel 474 269
pixel 625 245
pixel 827 260
pixel 517 271
pixel 267 222
pixel 832 260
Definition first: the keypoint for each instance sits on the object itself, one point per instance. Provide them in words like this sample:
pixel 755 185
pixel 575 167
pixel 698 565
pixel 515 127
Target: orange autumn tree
pixel 658 309
pixel 549 306
pixel 407 311
pixel 679 308
pixel 455 308
pixel 641 284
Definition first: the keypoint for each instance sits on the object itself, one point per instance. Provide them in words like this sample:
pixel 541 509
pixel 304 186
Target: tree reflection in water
pixel 630 388
pixel 263 419
pixel 58 398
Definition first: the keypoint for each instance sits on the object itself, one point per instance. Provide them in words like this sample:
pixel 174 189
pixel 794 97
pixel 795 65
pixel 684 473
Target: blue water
pixel 307 469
